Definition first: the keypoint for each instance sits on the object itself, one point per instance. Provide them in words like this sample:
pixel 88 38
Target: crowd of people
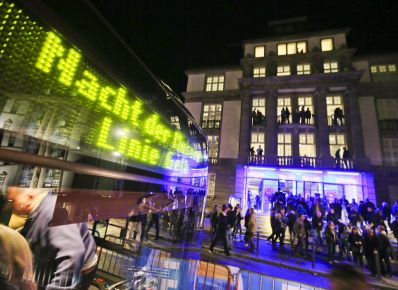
pixel 301 115
pixel 358 231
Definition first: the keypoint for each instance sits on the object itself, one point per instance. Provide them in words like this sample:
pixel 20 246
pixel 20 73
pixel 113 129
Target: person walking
pixel 238 224
pixel 299 235
pixel 213 221
pixel 221 233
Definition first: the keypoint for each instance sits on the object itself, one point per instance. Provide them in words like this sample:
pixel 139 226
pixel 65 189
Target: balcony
pixel 304 162
pixel 336 121
pixel 296 119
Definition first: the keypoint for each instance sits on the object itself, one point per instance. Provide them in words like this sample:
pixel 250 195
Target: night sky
pixel 173 36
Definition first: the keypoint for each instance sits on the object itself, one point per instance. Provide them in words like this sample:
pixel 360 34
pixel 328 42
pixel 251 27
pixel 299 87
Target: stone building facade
pixel 300 98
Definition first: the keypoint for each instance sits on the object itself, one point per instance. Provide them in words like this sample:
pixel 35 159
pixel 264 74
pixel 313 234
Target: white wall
pixel 370 131
pixel 363 65
pixel 232 80
pixel 230 129
pixel 195 109
pixel 196 83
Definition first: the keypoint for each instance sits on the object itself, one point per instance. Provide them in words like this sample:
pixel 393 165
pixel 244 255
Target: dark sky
pixel 172 36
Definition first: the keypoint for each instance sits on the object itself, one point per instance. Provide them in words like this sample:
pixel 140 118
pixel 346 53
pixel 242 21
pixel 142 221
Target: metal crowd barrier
pixel 248 280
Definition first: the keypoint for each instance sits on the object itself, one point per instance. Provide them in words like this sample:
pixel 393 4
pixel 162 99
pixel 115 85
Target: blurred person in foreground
pixel 64 256
pixel 346 277
pixel 15 261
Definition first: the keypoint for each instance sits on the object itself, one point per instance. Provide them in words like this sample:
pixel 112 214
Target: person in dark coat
pixel 356 241
pixel 64 254
pixel 272 220
pixel 317 224
pixel 384 248
pixel 291 219
pixel 221 233
pixel 331 240
pixel 385 207
pixel 370 247
pixel 214 220
pixel 247 217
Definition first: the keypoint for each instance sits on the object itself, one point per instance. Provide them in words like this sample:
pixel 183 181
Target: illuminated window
pixel 284 144
pixel 283 103
pixel 327 44
pixel 387 109
pixel 307 145
pixel 303 69
pixel 337 141
pixel 213 142
pixel 259 51
pixel 211 117
pixel 215 83
pixel 305 102
pixel 333 105
pixel 259 72
pixel 211 185
pixel 283 70
pixel 257 139
pixel 175 122
pixel 258 104
pixel 330 67
pixel 390 151
pixel 383 68
pixel 292 48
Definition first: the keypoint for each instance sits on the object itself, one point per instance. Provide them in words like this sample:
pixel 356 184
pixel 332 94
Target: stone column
pixel 322 131
pixel 245 127
pixel 357 150
pixel 271 132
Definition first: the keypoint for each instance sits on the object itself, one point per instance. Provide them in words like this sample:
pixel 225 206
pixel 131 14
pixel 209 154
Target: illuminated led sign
pixel 126 126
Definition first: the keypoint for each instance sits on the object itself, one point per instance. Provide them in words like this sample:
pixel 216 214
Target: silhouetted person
pixel 254 117
pixel 283 116
pixel 308 116
pixel 259 117
pixel 287 113
pixel 302 115
pixel 346 157
pixel 337 158
pixel 259 151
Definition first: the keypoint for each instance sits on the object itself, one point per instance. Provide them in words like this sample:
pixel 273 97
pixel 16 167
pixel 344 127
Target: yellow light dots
pixel 103 135
pixel 121 106
pixel 52 48
pixel 88 86
pixel 68 67
pixel 134 149
pixel 105 93
pixel 136 112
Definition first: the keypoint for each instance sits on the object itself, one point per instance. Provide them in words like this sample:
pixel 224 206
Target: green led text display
pixel 38 61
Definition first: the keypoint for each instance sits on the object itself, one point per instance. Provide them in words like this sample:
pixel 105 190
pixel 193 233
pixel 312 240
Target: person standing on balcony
pixel 302 115
pixel 346 157
pixel 283 116
pixel 252 152
pixel 259 117
pixel 287 113
pixel 308 116
pixel 254 118
pixel 337 159
pixel 259 152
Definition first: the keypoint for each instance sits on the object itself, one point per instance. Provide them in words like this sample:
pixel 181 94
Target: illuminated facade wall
pixel 318 71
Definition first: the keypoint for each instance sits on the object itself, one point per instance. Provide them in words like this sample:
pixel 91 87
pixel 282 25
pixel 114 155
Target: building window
pixel 306 110
pixel 327 44
pixel 259 51
pixel 383 68
pixel 257 140
pixel 215 83
pixel 259 72
pixel 211 117
pixel 335 110
pixel 213 142
pixel 211 185
pixel 175 122
pixel 284 110
pixel 303 69
pixel 258 111
pixel 307 145
pixel 337 141
pixel 283 70
pixel 387 109
pixel 390 151
pixel 284 144
pixel 292 48
pixel 330 67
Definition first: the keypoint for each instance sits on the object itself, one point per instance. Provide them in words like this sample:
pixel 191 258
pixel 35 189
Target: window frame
pixel 301 145
pixel 259 75
pixel 286 44
pixel 213 146
pixel 326 38
pixel 284 144
pixel 213 83
pixel 330 62
pixel 215 120
pixel 303 72
pixel 259 46
pixel 283 66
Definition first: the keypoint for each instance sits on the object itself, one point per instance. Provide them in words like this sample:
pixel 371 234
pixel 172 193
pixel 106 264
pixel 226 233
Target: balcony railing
pixel 335 121
pixel 296 120
pixel 304 162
